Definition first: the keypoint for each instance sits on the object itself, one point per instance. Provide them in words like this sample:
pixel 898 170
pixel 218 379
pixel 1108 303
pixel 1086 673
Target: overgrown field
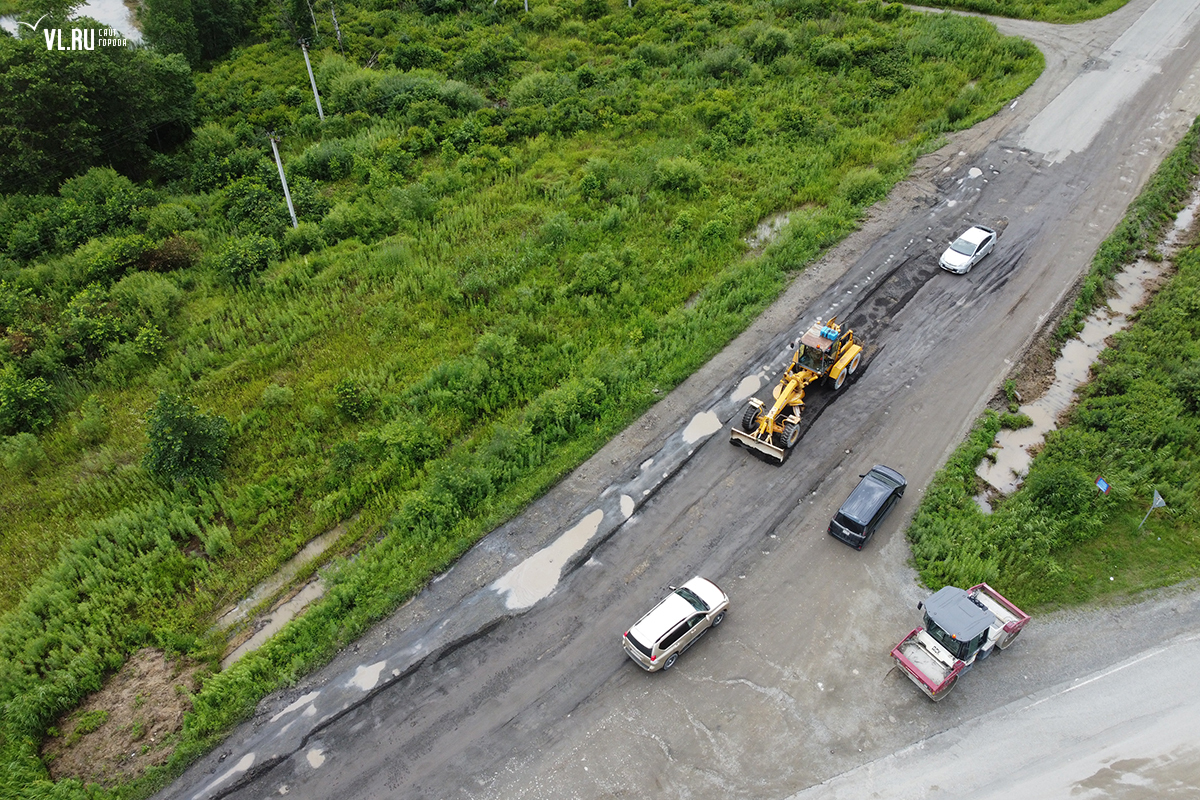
pixel 1058 539
pixel 515 231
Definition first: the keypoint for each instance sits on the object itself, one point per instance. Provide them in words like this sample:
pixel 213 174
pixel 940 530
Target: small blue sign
pixel 1102 484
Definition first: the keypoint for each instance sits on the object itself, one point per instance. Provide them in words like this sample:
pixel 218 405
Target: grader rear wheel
pixel 840 381
pixel 854 363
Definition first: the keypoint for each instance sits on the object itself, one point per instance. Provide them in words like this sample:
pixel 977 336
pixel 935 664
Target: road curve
pixel 481 688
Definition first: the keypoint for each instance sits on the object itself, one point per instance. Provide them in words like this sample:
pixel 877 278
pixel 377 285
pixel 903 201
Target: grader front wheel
pixel 750 419
pixel 791 435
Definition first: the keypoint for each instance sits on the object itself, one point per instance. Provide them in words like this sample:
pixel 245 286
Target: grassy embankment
pixel 479 295
pixel 1058 540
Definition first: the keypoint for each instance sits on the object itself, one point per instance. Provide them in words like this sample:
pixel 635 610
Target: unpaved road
pixel 795 688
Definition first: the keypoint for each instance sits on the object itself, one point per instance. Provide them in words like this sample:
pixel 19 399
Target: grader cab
pixel 823 352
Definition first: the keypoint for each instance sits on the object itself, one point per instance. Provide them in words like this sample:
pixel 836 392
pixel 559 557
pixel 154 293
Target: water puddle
pixel 280 615
pixel 1008 459
pixel 767 231
pixel 537 576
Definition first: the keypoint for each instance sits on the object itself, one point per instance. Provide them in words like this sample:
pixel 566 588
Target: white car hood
pixel 707 591
pixel 953 258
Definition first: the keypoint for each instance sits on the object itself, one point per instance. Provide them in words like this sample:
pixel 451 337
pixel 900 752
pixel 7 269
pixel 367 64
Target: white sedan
pixel 967 250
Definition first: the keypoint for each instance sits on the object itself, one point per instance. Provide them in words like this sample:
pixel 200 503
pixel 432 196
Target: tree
pixel 170 26
pixel 184 442
pixel 66 111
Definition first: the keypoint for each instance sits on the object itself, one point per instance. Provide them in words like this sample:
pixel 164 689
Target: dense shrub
pixel 22 454
pixel 25 403
pixel 184 442
pixel 246 256
pixel 679 175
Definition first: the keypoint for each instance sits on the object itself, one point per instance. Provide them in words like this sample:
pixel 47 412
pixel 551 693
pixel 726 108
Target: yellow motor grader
pixel 824 351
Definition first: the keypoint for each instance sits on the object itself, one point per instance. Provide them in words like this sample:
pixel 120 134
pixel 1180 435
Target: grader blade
pixel 767 448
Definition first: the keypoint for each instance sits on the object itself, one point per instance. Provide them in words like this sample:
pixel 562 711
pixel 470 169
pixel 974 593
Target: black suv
pixel 867 505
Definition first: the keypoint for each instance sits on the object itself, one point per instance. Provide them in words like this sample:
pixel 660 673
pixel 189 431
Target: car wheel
pixel 671 659
pixel 718 619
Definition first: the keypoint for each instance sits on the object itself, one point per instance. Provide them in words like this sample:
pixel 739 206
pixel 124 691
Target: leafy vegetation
pixel 1058 539
pixel 513 230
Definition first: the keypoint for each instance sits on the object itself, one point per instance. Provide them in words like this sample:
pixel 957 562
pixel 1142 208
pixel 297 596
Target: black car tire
pixel 718 619
pixel 671 659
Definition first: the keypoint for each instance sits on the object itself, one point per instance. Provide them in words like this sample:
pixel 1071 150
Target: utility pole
pixel 336 28
pixel 283 179
pixel 312 80
pixel 312 14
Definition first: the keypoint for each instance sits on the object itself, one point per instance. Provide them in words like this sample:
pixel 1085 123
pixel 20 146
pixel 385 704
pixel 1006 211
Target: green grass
pixel 1058 540
pixel 482 293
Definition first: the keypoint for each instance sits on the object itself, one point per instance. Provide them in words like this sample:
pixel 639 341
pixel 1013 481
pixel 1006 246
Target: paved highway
pixel 506 678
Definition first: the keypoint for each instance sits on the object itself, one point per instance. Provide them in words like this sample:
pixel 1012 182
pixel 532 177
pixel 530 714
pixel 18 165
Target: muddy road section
pixel 795 687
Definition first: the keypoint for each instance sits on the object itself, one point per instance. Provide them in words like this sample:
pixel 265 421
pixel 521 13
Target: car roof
pixel 889 474
pixel 957 614
pixel 663 617
pixel 674 609
pixel 976 234
pixel 871 491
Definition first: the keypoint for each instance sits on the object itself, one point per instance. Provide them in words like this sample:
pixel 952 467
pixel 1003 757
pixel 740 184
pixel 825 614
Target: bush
pixel 275 396
pixel 1015 421
pixel 351 400
pixel 91 427
pixel 303 239
pixel 173 253
pixel 679 175
pixel 184 443
pixel 23 454
pixel 25 403
pixel 245 257
pixel 169 219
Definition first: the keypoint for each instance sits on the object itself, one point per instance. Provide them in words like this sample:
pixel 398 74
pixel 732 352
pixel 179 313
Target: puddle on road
pixel 537 576
pixel 1072 369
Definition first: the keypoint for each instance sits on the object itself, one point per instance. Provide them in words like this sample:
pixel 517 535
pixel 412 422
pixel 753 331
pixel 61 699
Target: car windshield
pixel 955 646
pixel 961 245
pixel 692 597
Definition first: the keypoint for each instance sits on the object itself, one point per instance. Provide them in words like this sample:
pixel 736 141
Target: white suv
pixel 656 640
